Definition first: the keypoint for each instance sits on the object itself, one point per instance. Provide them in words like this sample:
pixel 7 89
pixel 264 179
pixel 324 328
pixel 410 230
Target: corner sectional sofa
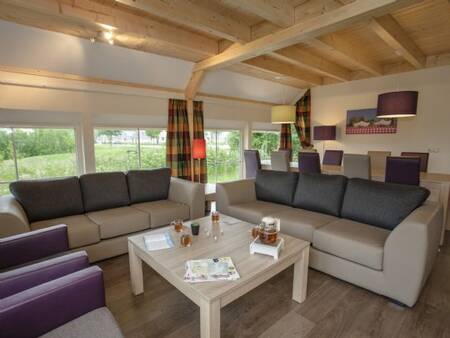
pixel 382 237
pixel 101 210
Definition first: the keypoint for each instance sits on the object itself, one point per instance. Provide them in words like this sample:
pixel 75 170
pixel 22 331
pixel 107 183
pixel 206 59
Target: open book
pixel 155 242
pixel 209 270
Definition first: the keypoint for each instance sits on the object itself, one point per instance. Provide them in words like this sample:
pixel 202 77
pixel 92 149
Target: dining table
pixel 437 183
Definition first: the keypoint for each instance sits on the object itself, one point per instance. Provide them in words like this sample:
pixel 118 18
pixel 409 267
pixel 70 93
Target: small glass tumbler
pixel 195 229
pixel 186 240
pixel 177 225
pixel 215 217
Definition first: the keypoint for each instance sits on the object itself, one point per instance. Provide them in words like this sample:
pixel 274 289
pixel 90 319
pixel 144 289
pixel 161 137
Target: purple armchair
pixel 72 305
pixel 33 245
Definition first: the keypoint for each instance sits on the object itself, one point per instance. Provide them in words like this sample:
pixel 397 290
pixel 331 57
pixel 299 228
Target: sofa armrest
pixel 410 251
pixel 33 245
pixel 190 193
pixel 234 192
pixel 29 276
pixel 45 307
pixel 13 219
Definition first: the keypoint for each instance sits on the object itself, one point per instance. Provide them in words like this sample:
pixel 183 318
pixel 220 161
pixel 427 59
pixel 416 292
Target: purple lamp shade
pixel 324 133
pixel 397 104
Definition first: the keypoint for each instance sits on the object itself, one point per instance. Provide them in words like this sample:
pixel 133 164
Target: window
pixel 223 155
pixel 126 149
pixel 265 142
pixel 29 153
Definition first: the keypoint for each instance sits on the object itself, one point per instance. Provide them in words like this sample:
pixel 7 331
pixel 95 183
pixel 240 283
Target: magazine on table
pixel 155 242
pixel 209 270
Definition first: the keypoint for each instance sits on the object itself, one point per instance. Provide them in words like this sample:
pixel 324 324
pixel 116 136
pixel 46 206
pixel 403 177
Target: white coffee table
pixel 212 296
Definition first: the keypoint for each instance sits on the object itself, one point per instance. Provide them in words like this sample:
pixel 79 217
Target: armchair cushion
pixel 148 185
pixel 56 303
pixel 99 323
pixel 275 186
pixel 104 191
pixel 33 245
pixel 383 205
pixel 44 199
pixel 26 277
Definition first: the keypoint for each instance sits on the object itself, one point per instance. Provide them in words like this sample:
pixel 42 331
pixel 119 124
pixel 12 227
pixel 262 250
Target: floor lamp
pixel 199 153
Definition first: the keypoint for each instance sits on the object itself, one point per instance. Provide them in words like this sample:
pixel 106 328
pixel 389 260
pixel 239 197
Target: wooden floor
pixel 333 308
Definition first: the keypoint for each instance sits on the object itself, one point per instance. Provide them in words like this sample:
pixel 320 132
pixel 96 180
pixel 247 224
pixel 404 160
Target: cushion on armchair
pixel 104 191
pixel 148 185
pixel 384 205
pixel 320 192
pixel 275 186
pixel 45 199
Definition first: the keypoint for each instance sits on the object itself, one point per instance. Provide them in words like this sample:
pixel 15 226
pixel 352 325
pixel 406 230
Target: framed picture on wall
pixel 365 121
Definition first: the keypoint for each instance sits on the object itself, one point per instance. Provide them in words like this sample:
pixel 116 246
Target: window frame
pixel 241 145
pixel 126 127
pixel 77 139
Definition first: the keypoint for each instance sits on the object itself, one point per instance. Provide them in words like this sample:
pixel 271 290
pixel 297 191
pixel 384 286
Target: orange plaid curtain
pixel 285 137
pixel 303 120
pixel 178 145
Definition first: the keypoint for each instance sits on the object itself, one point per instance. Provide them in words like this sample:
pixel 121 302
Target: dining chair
pixel 403 170
pixel 357 166
pixel 333 157
pixel 280 160
pixel 252 163
pixel 309 163
pixel 423 159
pixel 378 160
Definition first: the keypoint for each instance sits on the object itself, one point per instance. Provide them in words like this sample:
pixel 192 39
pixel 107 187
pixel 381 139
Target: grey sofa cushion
pixel 275 186
pixel 104 191
pixel 46 199
pixel 321 193
pixel 148 185
pixel 383 205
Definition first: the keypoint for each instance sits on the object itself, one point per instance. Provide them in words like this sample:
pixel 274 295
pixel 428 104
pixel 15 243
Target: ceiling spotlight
pixel 108 35
pixel 92 39
pixel 111 42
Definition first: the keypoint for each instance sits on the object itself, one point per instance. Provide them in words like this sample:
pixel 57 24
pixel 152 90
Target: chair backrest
pixel 378 159
pixel 333 157
pixel 280 160
pixel 252 163
pixel 403 170
pixel 309 163
pixel 357 166
pixel 423 159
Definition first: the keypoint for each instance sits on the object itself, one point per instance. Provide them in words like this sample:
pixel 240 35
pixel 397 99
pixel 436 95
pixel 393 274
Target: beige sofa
pixel 392 262
pixel 101 210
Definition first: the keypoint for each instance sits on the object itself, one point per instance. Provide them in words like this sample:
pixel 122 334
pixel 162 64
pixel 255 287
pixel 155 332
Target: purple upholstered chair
pixel 403 170
pixel 333 157
pixel 62 297
pixel 309 163
pixel 33 245
pixel 252 163
pixel 423 159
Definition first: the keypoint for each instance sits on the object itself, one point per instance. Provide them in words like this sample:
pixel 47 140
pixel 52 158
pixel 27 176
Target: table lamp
pixel 199 152
pixel 324 133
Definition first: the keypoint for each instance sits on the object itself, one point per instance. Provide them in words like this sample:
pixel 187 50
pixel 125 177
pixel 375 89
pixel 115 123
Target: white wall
pixel 429 131
pixel 28 47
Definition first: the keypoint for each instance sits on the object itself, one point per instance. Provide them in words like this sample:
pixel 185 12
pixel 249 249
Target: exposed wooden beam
pixel 85 18
pixel 280 12
pixel 344 48
pixel 275 66
pixel 194 84
pixel 303 31
pixel 312 62
pixel 189 14
pixel 388 29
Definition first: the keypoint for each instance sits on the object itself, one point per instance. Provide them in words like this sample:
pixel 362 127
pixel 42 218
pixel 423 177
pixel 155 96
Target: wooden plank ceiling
pixel 300 43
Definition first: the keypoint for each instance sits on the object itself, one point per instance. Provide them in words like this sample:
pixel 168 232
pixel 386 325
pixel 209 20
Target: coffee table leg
pixel 210 319
pixel 300 277
pixel 137 278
